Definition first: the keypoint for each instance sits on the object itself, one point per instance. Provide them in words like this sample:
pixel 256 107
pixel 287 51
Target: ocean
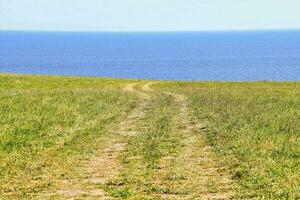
pixel 193 56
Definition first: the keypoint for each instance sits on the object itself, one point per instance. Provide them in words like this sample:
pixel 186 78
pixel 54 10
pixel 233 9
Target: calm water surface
pixel 236 56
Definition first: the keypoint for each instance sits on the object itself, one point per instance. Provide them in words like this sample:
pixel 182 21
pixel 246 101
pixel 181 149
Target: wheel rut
pixel 105 165
pixel 194 172
pixel 201 173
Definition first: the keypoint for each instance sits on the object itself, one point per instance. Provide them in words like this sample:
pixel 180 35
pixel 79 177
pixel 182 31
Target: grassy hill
pixel 91 138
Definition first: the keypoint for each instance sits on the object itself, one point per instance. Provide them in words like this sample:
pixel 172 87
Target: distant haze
pixel 148 15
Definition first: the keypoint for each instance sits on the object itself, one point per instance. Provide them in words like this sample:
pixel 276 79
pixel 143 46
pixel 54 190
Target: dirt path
pixel 200 174
pixel 147 87
pixel 105 166
pixel 194 172
pixel 129 87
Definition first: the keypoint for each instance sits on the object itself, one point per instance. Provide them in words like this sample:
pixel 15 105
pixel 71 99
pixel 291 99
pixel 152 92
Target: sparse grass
pixel 255 128
pixel 154 140
pixel 49 126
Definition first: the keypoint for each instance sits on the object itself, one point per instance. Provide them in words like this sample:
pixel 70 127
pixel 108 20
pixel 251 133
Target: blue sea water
pixel 225 56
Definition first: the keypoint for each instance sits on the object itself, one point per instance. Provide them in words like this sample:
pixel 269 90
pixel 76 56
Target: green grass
pixel 50 125
pixel 155 140
pixel 255 128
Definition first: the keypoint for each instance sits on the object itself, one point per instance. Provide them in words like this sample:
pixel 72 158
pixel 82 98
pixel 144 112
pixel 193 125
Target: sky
pixel 148 15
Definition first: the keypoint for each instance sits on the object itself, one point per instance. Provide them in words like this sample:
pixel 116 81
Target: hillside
pixel 91 138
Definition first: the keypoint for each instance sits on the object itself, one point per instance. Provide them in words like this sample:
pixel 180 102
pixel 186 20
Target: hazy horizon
pixel 155 31
pixel 148 16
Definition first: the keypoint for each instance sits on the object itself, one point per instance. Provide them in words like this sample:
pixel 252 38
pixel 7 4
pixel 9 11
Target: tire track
pixel 105 166
pixel 199 170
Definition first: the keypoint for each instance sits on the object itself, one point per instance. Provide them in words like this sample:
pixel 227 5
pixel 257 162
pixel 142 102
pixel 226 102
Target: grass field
pixel 96 138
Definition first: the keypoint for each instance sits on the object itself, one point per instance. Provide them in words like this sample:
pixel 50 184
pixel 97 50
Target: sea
pixel 191 56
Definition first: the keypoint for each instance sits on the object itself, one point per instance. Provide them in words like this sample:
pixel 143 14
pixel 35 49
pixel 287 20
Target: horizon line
pixel 151 31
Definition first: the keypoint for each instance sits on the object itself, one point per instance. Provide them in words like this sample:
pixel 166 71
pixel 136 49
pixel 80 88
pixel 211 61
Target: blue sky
pixel 148 15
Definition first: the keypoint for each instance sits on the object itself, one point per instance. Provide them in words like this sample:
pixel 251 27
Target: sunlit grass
pixel 49 125
pixel 154 140
pixel 255 128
